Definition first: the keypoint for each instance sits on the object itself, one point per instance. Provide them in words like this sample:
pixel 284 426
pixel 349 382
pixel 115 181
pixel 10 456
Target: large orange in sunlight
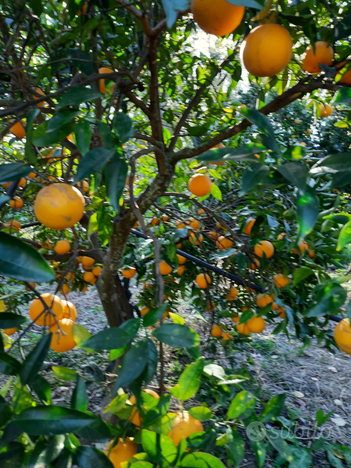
pixel 217 17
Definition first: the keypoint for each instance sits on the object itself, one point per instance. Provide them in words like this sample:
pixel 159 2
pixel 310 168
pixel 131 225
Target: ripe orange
pixel 346 78
pixel 214 235
pixel 87 261
pixel 342 335
pixel 84 185
pixel 303 246
pixel 144 311
pixel 22 182
pixel 135 416
pixel 226 336
pixel 32 284
pixel 59 206
pixel 83 288
pixel 281 281
pixel 71 277
pixel 179 246
pixel 16 203
pixel 217 17
pixel 165 268
pixel 325 110
pixel 181 269
pixel 89 277
pixel 39 91
pixel 210 307
pixel 220 145
pixel 323 54
pixel 10 331
pixel 62 247
pixel 311 253
pixel 195 239
pixel 181 259
pixel 13 225
pixel 267 50
pixel 102 82
pixel 184 426
pixel 255 264
pixel 96 271
pixel 69 310
pixel 46 319
pixel 235 319
pixel 262 300
pixel 62 342
pixel 256 324
pixel 128 271
pixel 65 289
pixel 281 311
pixel 164 218
pixel 180 224
pixel 147 285
pixel 155 221
pixel 249 226
pixel 18 130
pixel 216 331
pixel 122 452
pixel 232 294
pixel 202 281
pixel 243 329
pixel 201 211
pixel 194 223
pixel 281 236
pixel 224 243
pixel 200 185
pixel 266 247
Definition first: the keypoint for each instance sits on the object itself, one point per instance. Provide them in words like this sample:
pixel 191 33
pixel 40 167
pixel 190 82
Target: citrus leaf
pixel 79 397
pixel 110 338
pixel 64 373
pixel 90 457
pixel 13 172
pixel 41 136
pixel 83 136
pixel 154 315
pixel 243 153
pixel 115 174
pixel 273 408
pixel 9 365
pixel 178 336
pixel 307 212
pixel 93 162
pixel 236 446
pixel 133 364
pixel 201 460
pixel 123 126
pixel 22 262
pixel 344 236
pixel 301 273
pixel 10 320
pixel 77 95
pixel 189 381
pixel 31 366
pixel 201 413
pixel 295 173
pixel 240 404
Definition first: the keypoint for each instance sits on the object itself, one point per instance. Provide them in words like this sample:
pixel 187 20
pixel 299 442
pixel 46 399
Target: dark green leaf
pixel 301 273
pixel 279 444
pixel 258 4
pixel 42 388
pixel 22 262
pixel 343 96
pixel 236 446
pixel 74 57
pixel 189 381
pixel 61 118
pixel 123 126
pixel 163 424
pixel 83 136
pixel 244 153
pixel 133 364
pixel 12 455
pixel 201 460
pixel 321 418
pixel 327 300
pixel 10 320
pixel 64 373
pixel 110 338
pixel 79 397
pixel 131 327
pixel 9 365
pixel 149 441
pixel 76 95
pixel 240 404
pixel 307 212
pixel 97 431
pixel 294 153
pixel 253 176
pixel 295 173
pixel 259 447
pixel 273 408
pixel 90 457
pixel 13 172
pixel 115 174
pixel 29 152
pixel 51 420
pixel 178 336
pixel 344 236
pixel 332 163
pixel 151 363
pixel 108 139
pixel 201 413
pixel 264 124
pixel 47 451
pixel 93 162
pixel 340 179
pixel 31 366
pixel 246 316
pixel 41 136
pixel 154 315
pixel 36 6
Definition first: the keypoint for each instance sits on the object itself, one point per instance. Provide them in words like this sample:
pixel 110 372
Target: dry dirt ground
pixel 313 378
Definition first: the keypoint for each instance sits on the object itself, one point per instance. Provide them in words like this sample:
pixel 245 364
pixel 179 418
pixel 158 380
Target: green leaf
pixel 177 336
pixel 216 192
pixel 152 362
pixel 31 366
pixel 258 4
pixel 243 153
pixel 46 451
pixel 273 408
pixel 341 179
pixel 133 364
pixel 264 124
pixel 149 441
pixel 79 397
pixel 327 300
pixel 97 431
pixel 307 212
pixel 60 119
pixel 93 162
pixel 301 273
pixel 36 6
pixel 117 404
pixel 295 173
pixel 41 136
pixel 90 457
pixel 29 152
pixel 12 455
pixel 259 447
pixel 10 320
pixel 64 373
pixel 83 136
pixel 201 413
pixel 22 262
pixel 215 370
pixel 321 418
pixel 343 96
pixel 123 126
pixel 294 153
pixel 344 236
pixel 189 381
pixel 9 365
pixel 279 444
pixel 108 139
pixel 110 338
pixel 246 316
pixel 163 424
pixel 13 172
pixel 76 95
pixel 115 174
pixel 80 334
pixel 42 388
pixel 236 446
pixel 154 315
pixel 51 420
pixel 332 163
pixel 240 404
pixel 253 176
pixel 200 460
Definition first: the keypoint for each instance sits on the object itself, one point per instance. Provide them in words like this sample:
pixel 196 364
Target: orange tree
pixel 93 91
